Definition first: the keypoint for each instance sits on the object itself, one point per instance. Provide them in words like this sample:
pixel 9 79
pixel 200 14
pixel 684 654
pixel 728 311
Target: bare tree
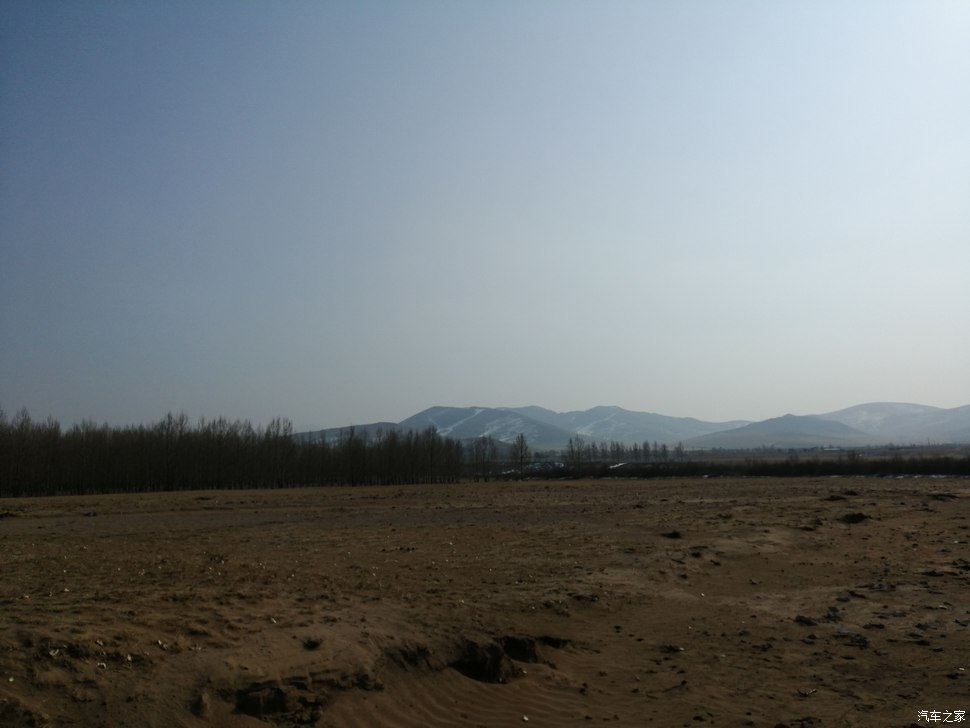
pixel 484 453
pixel 520 452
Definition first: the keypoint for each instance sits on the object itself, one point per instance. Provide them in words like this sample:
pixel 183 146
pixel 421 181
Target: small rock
pixel 201 707
pixel 853 639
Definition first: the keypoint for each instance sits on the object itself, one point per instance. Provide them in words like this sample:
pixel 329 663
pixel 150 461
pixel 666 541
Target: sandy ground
pixel 828 602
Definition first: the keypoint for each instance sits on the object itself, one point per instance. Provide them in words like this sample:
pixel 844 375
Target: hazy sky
pixel 342 212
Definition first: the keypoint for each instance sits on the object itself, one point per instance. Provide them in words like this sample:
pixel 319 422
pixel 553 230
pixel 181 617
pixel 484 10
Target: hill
pixel 906 424
pixel 467 423
pixel 608 424
pixel 463 423
pixel 875 423
pixel 544 429
pixel 788 431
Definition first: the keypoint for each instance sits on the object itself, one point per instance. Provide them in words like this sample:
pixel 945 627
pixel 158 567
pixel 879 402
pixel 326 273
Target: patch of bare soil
pixel 835 602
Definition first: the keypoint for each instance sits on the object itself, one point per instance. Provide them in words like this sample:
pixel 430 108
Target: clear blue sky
pixel 342 212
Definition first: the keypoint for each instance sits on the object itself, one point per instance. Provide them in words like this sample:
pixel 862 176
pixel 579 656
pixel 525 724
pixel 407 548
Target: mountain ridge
pixel 873 423
pixel 787 431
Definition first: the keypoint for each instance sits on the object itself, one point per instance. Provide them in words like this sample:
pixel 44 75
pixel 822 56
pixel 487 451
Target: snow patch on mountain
pixel 445 431
pixel 507 429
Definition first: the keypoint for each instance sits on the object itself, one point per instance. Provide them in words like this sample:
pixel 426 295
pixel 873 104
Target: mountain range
pixel 875 423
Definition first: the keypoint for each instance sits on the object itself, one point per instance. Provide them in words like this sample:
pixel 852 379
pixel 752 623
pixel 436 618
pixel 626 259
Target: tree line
pixel 579 453
pixel 712 464
pixel 41 458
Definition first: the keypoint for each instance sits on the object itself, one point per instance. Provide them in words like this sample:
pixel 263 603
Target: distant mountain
pixel 876 423
pixel 466 423
pixel 906 424
pixel 789 431
pixel 877 418
pixel 461 423
pixel 332 434
pixel 544 429
pixel 608 424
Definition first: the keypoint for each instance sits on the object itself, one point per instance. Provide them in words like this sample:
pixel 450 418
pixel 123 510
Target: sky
pixel 347 212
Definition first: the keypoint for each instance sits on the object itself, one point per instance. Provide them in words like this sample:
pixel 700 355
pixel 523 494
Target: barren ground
pixel 806 602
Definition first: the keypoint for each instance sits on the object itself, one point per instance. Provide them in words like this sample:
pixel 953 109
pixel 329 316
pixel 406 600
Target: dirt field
pixel 835 602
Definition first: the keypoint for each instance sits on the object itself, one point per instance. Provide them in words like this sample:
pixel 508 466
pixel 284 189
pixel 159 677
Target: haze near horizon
pixel 349 212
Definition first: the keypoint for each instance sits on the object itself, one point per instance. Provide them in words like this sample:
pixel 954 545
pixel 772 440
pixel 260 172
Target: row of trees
pixel 580 454
pixel 39 458
pixel 715 465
